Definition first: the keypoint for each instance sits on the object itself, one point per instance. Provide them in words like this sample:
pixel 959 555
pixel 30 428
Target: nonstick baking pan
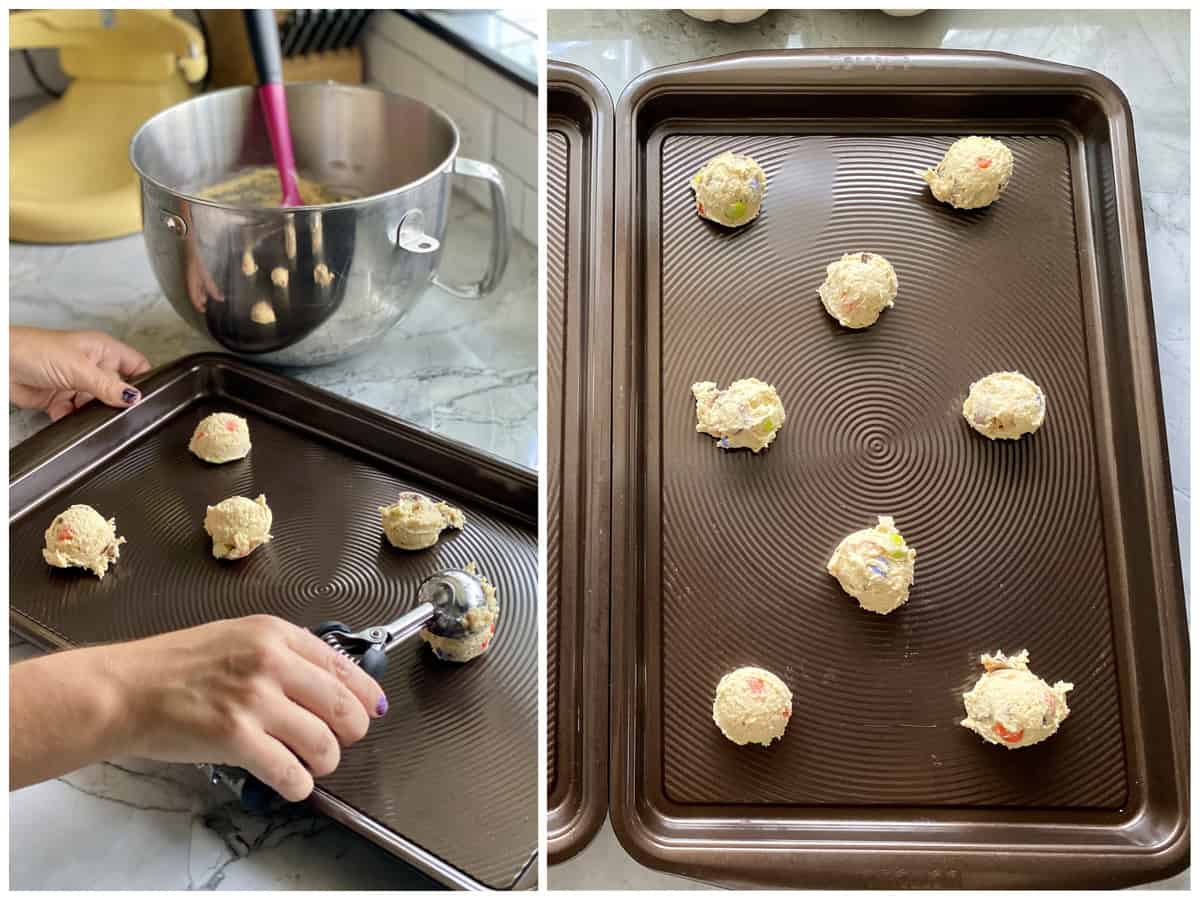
pixel 579 143
pixel 448 779
pixel 1062 543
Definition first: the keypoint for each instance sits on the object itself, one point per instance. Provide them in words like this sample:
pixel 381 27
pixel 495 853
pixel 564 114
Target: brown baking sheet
pixel 579 362
pixel 1062 543
pixel 448 779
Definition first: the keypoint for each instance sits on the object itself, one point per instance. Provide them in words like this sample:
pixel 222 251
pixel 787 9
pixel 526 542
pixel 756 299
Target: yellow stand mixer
pixel 69 177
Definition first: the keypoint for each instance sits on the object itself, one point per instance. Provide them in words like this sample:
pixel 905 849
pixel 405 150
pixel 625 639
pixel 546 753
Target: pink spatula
pixel 263 33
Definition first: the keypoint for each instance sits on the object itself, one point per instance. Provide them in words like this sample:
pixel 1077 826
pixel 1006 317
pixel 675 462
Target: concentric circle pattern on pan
pixel 1009 535
pixel 451 729
pixel 557 164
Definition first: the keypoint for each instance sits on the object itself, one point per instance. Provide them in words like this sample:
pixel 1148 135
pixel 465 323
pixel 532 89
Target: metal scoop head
pixel 452 593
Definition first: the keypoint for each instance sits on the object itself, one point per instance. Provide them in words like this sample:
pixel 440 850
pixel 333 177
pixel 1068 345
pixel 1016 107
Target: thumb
pixel 105 386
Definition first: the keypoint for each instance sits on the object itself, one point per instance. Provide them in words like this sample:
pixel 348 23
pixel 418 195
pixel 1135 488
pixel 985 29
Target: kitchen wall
pixel 497 118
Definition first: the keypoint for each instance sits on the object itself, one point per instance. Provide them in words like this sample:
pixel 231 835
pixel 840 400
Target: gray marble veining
pixel 1146 53
pixel 464 369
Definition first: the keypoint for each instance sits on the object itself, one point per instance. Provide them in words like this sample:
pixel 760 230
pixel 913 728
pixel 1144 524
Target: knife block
pixel 231 63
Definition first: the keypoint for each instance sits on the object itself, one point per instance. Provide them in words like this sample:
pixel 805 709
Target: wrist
pixel 119 701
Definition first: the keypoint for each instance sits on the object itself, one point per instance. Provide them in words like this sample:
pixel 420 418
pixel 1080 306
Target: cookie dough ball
pixel 1005 405
pixel 482 625
pixel 82 537
pixel 752 706
pixel 238 526
pixel 748 413
pixel 322 275
pixel 415 522
pixel 875 567
pixel 249 266
pixel 221 438
pixel 262 313
pixel 279 277
pixel 729 189
pixel 1011 706
pixel 857 288
pixel 973 173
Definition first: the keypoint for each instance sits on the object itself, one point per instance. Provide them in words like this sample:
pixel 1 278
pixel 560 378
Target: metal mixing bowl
pixel 352 269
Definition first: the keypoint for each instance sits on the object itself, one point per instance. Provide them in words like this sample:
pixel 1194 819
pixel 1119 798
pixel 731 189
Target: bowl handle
pixel 500 238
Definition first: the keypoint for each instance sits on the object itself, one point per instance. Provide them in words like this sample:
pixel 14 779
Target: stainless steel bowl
pixel 215 261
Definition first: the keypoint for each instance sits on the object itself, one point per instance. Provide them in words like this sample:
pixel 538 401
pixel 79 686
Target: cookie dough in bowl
pixel 482 625
pixel 729 189
pixel 238 526
pixel 221 438
pixel 857 288
pixel 973 173
pixel 746 414
pixel 752 706
pixel 81 537
pixel 1005 405
pixel 415 522
pixel 875 567
pixel 1011 706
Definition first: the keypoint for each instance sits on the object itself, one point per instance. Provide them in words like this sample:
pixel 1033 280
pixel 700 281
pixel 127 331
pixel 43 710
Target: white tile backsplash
pixel 531 112
pixel 473 118
pixel 496 118
pixel 529 219
pixel 517 149
pixel 503 94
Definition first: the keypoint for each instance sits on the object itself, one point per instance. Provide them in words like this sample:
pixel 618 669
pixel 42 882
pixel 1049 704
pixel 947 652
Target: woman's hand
pixel 258 693
pixel 59 371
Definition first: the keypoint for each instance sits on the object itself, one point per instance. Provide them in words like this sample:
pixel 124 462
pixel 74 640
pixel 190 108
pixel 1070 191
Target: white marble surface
pixel 1145 53
pixel 464 369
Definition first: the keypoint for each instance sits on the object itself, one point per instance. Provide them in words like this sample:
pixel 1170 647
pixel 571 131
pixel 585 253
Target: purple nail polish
pixel 381 707
pixel 131 396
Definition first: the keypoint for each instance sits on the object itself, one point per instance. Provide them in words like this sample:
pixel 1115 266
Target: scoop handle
pixel 263 33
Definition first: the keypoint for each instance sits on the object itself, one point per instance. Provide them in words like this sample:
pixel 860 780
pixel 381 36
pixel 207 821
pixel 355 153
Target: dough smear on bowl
pixel 221 438
pixel 481 625
pixel 238 526
pixel 729 189
pixel 875 567
pixel 80 536
pixel 415 522
pixel 752 706
pixel 1005 405
pixel 1011 706
pixel 747 414
pixel 973 173
pixel 857 288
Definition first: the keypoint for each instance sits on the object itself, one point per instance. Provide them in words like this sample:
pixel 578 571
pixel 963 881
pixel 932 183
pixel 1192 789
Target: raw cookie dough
pixel 322 275
pixel 414 522
pixel 259 187
pixel 729 189
pixel 748 413
pixel 262 313
pixel 221 437
pixel 752 706
pixel 238 526
pixel 279 277
pixel 482 625
pixel 1011 706
pixel 857 288
pixel 82 537
pixel 973 173
pixel 875 567
pixel 1005 405
pixel 249 266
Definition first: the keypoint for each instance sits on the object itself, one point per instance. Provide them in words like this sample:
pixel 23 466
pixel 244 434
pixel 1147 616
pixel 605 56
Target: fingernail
pixel 381 707
pixel 131 395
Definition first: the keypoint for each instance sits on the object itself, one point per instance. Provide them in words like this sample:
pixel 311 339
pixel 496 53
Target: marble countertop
pixel 464 369
pixel 1146 53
